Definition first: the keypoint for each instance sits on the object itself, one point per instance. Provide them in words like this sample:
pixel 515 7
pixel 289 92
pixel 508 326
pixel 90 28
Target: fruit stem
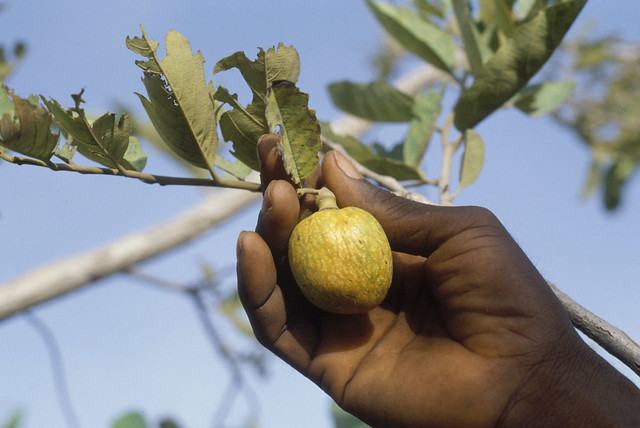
pixel 325 199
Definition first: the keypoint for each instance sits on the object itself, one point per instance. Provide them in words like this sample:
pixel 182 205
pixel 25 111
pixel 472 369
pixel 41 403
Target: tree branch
pixel 58 278
pixel 383 180
pixel 448 150
pixel 610 338
pixel 54 280
pixel 232 359
pixel 162 180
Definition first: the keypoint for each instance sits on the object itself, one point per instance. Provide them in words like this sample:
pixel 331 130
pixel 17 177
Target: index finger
pixel 272 167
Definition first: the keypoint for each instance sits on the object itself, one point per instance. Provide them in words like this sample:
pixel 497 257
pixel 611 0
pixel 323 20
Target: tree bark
pixel 69 274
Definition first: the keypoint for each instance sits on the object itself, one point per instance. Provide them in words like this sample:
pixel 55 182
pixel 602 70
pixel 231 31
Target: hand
pixel 469 334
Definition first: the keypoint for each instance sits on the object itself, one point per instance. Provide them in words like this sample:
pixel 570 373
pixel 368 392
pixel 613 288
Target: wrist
pixel 574 387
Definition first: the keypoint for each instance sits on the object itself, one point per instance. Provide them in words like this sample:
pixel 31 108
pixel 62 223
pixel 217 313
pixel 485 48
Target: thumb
pixel 411 227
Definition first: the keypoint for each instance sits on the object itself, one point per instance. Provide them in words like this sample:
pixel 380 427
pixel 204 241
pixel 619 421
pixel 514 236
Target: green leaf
pixel 466 24
pixel 145 47
pixel 67 151
pixel 429 9
pixel 342 419
pixel 504 18
pixel 168 423
pixel 354 147
pixel 7 106
pixel 596 53
pixel 379 161
pixel 5 70
pixel 529 8
pixel 395 152
pixel 282 63
pixel 130 420
pixel 134 158
pixel 179 104
pixel 19 50
pixel 288 114
pixel 230 307
pixel 426 110
pixel 13 421
pixel 538 100
pixel 377 101
pixel 105 141
pixel 7 67
pixel 418 36
pixel 242 125
pixel 71 123
pixel 593 180
pixel 515 62
pixel 486 41
pixel 615 180
pixel 26 128
pixel 238 169
pixel 392 168
pixel 113 137
pixel 472 159
pixel 142 128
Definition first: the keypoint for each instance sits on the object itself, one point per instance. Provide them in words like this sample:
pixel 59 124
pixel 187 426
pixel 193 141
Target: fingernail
pixel 266 200
pixel 347 167
pixel 239 248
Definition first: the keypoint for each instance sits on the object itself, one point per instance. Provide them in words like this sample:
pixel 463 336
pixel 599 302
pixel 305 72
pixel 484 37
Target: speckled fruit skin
pixel 341 260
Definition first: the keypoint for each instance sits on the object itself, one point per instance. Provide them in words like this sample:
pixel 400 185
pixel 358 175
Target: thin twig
pixel 456 145
pixel 237 382
pixel 158 282
pixel 448 150
pixel 57 367
pixel 162 180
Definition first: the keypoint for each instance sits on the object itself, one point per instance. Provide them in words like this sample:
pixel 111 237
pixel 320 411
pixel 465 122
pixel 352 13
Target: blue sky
pixel 128 345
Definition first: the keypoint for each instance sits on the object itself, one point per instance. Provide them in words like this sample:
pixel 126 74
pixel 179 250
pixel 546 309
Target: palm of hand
pixel 425 357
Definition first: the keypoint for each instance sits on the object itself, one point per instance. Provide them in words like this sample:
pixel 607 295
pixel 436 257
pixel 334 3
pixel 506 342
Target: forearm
pixel 581 389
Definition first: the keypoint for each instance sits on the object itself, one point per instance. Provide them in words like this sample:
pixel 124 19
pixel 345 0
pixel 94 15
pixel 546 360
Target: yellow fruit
pixel 341 258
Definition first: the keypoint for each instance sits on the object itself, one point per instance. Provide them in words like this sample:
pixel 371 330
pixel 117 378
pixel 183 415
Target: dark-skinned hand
pixel 469 334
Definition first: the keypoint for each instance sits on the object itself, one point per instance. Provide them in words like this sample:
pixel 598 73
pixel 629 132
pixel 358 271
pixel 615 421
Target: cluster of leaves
pixel 32 127
pixel 605 114
pixel 489 54
pixel 503 44
pixel 26 127
pixel 185 112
